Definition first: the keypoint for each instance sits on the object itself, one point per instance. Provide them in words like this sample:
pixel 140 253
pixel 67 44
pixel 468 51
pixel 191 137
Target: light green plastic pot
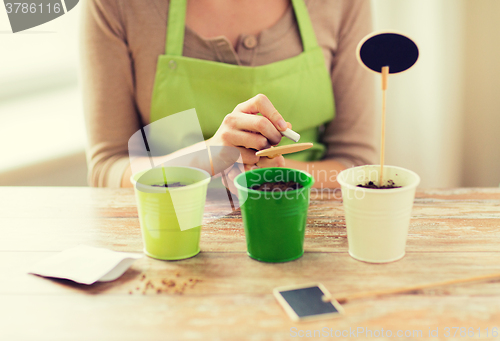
pixel 171 218
pixel 274 222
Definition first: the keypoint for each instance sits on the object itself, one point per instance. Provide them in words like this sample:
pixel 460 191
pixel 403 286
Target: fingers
pixel 249 132
pixel 242 128
pixel 253 123
pixel 238 168
pixel 248 156
pixel 251 161
pixel 265 162
pixel 234 137
pixel 261 104
pixel 250 167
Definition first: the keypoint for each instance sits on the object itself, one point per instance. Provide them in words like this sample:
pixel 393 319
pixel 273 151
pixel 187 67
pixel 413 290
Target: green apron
pixel 299 87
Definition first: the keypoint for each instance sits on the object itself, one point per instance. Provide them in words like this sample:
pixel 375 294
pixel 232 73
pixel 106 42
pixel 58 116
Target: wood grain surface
pixel 222 294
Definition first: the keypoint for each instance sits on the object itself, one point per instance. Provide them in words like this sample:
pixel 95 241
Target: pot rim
pixel 155 189
pixel 344 184
pixel 249 190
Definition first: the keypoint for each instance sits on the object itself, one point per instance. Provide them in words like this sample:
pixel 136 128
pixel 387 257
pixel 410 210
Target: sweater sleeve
pixel 107 79
pixel 350 136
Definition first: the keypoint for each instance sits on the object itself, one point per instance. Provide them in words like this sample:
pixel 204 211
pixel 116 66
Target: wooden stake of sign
pixel 402 290
pixel 385 73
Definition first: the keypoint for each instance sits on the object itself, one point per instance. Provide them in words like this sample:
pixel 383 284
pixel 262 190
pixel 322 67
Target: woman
pixel 143 61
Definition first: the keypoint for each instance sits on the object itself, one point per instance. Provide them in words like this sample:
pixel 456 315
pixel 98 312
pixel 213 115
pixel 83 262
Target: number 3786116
pixel 24 7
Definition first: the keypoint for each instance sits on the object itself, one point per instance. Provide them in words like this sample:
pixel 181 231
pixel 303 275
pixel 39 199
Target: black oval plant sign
pixel 394 50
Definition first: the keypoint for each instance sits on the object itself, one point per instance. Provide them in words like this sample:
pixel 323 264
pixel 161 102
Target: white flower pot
pixel 377 220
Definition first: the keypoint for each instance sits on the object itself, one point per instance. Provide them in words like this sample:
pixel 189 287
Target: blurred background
pixel 42 139
pixel 443 119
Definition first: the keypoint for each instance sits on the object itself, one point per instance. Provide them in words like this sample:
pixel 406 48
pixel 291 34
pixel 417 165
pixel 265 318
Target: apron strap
pixel 175 27
pixel 305 26
pixel 177 19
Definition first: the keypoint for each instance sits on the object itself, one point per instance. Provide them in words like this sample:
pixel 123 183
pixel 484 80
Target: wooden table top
pixel 222 293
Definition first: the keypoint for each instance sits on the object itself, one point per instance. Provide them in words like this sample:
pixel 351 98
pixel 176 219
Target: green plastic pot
pixel 274 222
pixel 171 218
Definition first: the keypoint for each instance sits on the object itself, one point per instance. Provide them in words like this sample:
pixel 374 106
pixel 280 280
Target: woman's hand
pixel 250 133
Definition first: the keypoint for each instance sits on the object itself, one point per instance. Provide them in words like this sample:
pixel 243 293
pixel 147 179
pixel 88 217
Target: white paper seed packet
pixel 86 264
